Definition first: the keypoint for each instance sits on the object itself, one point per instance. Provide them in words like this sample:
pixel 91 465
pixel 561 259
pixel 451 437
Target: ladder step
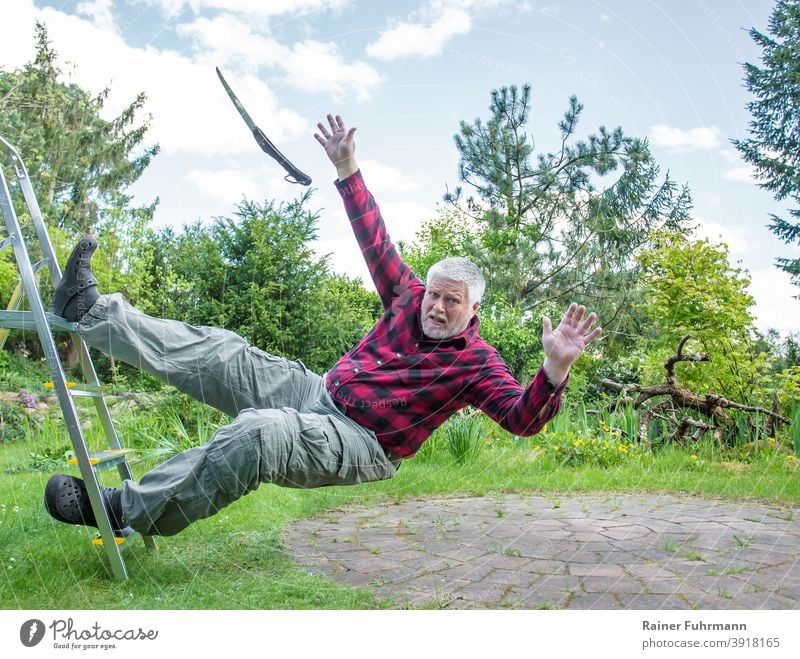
pixel 25 320
pixel 121 537
pixel 93 390
pixel 105 459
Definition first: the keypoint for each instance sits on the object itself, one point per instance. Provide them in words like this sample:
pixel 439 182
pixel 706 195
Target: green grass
pixel 235 560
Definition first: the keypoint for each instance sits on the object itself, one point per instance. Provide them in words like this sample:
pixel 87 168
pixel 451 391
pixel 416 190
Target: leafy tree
pixel 256 274
pixel 552 228
pixel 690 288
pixel 774 146
pixel 79 163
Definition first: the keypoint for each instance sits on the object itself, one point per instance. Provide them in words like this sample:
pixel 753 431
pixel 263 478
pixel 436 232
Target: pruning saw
pixel 294 175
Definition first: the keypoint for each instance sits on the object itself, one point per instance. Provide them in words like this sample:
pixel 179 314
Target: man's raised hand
pixel 563 345
pixel 339 145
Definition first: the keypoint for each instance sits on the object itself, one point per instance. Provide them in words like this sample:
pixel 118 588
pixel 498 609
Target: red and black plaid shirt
pixel 401 384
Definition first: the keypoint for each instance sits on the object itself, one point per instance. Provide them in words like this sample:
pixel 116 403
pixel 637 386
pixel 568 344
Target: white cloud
pixel 309 66
pixel 257 7
pixel 314 66
pixel 775 306
pixel 226 185
pixel 385 179
pixel 744 174
pixel 16 33
pixel 99 13
pixel 191 112
pixel 404 218
pixel 703 137
pixel 420 40
pixel 226 39
pixel 734 237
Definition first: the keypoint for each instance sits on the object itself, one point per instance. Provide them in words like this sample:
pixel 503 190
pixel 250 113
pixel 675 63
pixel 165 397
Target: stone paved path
pixel 568 552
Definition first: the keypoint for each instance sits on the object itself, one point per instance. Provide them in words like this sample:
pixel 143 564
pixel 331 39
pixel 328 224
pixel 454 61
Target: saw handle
pixel 270 149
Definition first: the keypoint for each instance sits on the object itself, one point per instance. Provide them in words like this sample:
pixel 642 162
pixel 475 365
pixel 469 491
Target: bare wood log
pixel 710 405
pixel 680 357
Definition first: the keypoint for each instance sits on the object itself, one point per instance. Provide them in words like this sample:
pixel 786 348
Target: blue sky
pixel 406 73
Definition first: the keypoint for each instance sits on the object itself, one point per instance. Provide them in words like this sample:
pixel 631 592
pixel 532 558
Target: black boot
pixel 67 500
pixel 77 292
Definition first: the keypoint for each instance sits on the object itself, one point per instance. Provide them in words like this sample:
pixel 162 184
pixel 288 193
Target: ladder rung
pixel 40 264
pixel 120 537
pixel 96 390
pixel 105 459
pixel 25 320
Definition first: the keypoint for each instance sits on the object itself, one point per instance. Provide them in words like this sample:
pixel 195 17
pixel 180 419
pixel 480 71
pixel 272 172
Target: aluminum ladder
pixel 43 323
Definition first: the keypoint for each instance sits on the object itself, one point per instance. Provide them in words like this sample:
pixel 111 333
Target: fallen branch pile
pixel 679 398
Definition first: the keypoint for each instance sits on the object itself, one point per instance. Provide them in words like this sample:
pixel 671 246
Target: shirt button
pixel 355 370
pixel 379 362
pixel 399 354
pixel 416 345
pixel 336 384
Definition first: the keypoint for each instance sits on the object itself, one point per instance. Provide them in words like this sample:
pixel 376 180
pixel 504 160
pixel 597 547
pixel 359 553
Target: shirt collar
pixel 459 341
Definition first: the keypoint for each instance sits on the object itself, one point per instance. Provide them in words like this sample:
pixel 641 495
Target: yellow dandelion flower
pixel 693 458
pixel 544 429
pixel 772 439
pixel 622 448
pixel 791 457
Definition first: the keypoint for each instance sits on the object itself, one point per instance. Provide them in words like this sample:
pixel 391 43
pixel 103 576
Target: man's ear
pixel 475 308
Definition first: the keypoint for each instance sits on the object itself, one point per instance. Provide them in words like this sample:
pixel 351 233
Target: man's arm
pixel 525 411
pixel 389 272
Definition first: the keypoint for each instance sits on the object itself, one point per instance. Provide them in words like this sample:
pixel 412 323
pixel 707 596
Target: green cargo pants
pixel 287 429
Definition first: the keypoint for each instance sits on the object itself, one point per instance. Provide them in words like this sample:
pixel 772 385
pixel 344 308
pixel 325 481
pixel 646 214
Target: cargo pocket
pixel 234 465
pixel 316 455
pixel 365 461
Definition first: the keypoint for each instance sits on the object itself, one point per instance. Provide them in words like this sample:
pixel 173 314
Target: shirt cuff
pixel 552 389
pixel 352 183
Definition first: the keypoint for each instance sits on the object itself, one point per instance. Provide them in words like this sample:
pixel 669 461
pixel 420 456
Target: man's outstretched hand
pixel 564 344
pixel 339 145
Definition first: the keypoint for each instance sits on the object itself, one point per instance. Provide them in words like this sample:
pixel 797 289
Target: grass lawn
pixel 235 561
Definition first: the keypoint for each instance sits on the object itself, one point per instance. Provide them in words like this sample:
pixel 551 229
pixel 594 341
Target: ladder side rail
pixel 36 214
pixel 59 380
pixel 87 366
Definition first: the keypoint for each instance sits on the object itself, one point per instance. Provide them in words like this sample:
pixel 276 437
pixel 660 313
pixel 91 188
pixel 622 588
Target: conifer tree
pixel 773 147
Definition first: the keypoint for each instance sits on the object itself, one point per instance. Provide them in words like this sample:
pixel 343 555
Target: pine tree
pixel 80 164
pixel 561 225
pixel 774 145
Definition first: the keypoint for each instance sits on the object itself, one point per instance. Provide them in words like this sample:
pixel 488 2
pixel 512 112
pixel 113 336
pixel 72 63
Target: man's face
pixel 446 310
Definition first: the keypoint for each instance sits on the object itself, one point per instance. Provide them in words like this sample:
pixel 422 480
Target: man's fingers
pixel 320 139
pixel 591 337
pixel 586 324
pixel 350 133
pixel 339 122
pixel 547 325
pixel 324 131
pixel 332 122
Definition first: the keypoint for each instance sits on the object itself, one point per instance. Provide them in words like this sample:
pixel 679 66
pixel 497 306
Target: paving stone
pixel 510 578
pixel 602 602
pixel 566 551
pixel 646 602
pixel 649 571
pixel 586 570
pixel 611 585
pixel 546 567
